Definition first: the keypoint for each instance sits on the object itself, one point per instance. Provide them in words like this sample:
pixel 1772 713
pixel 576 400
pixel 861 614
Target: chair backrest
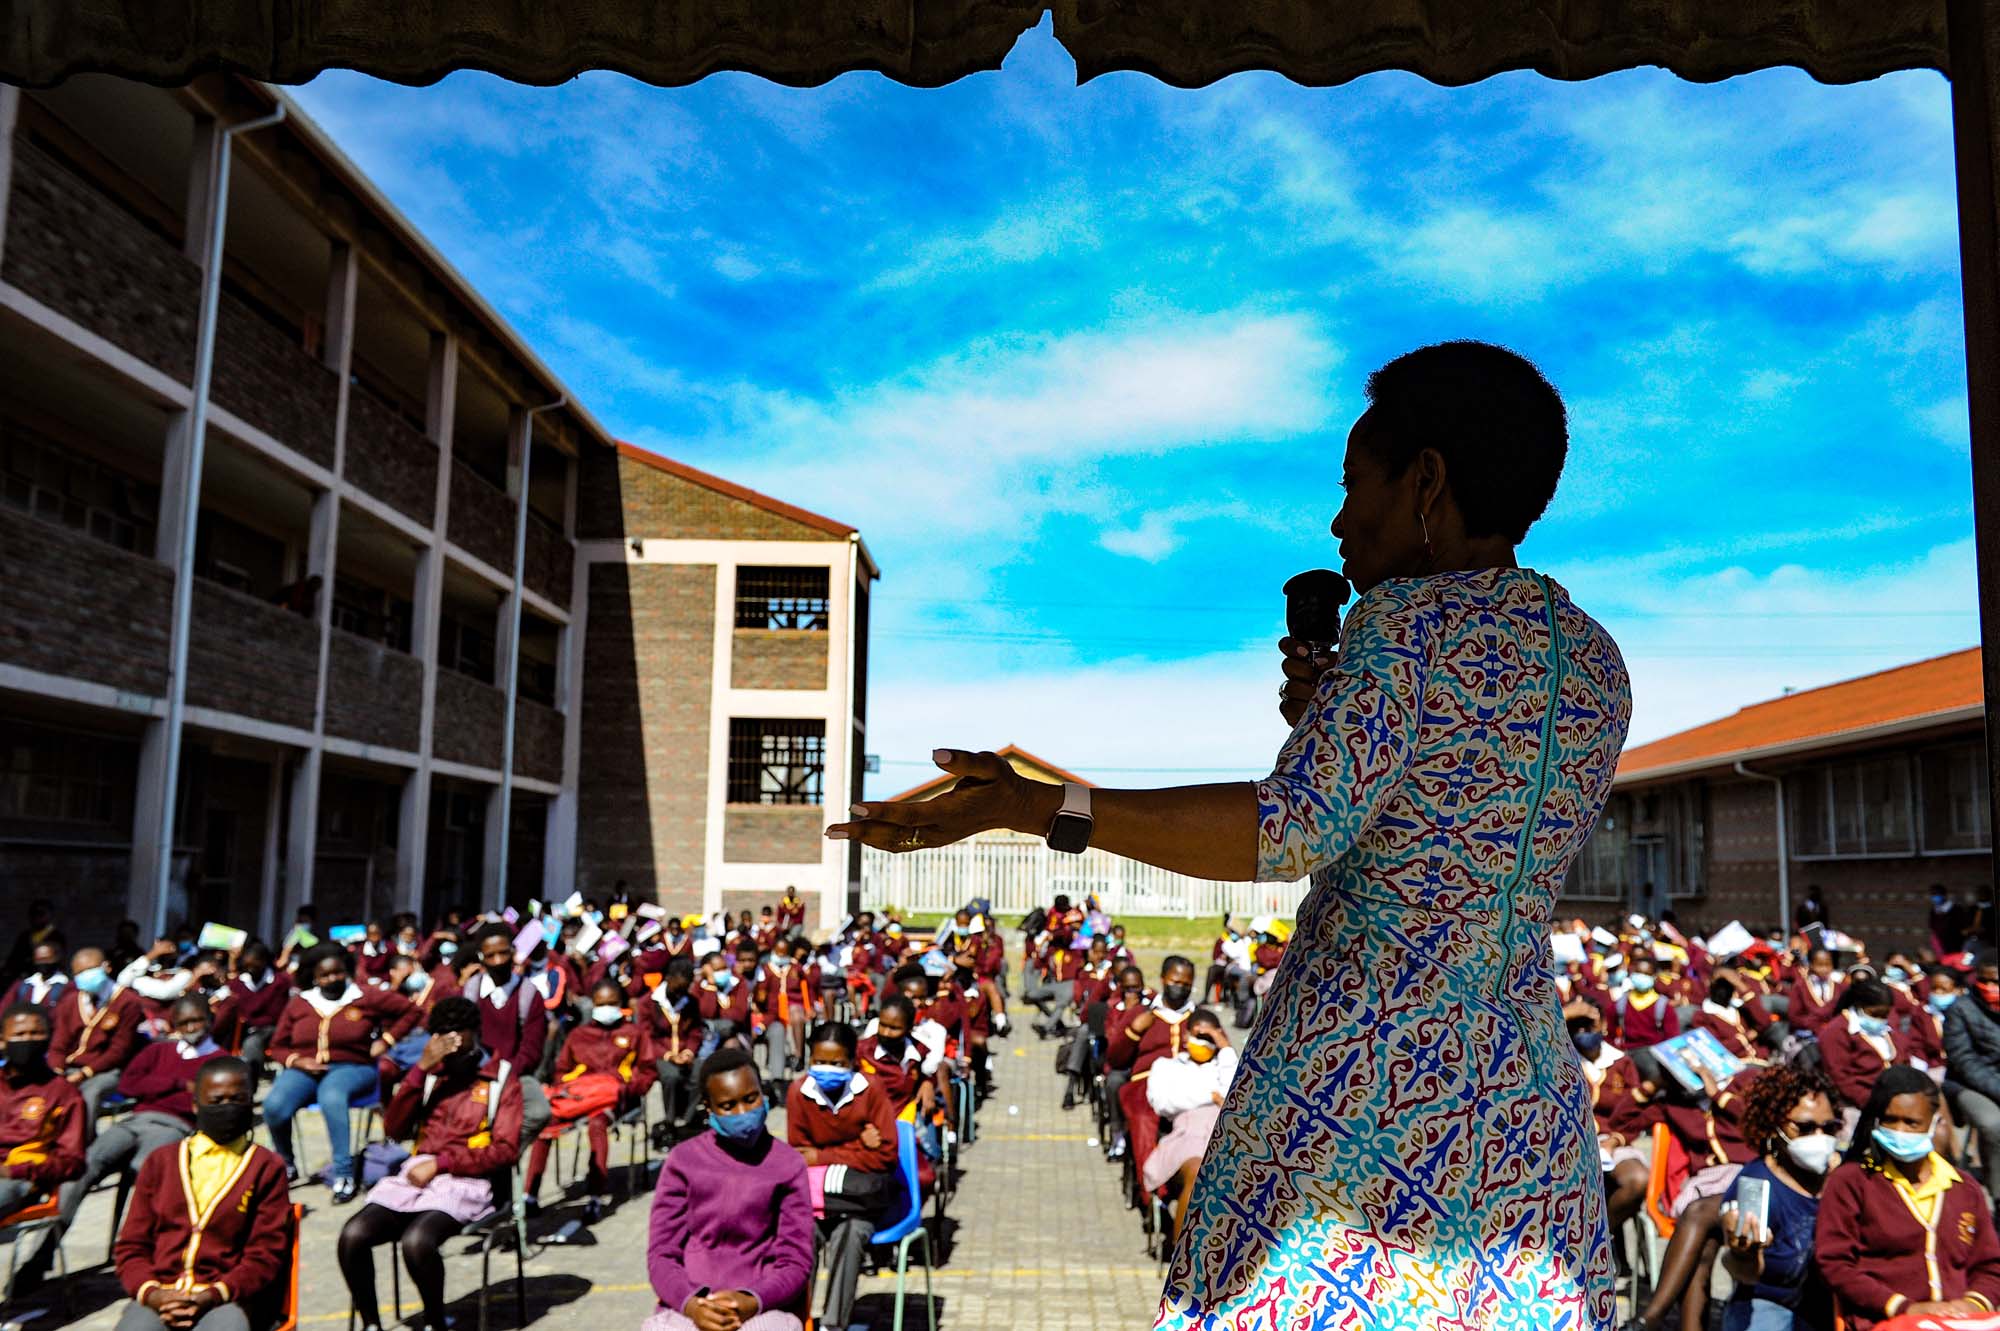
pixel 1660 1183
pixel 290 1320
pixel 906 1165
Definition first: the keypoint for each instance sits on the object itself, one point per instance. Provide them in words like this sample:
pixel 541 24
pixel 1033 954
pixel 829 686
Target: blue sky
pixel 1080 362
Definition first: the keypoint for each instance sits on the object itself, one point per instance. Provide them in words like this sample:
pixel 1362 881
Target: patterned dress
pixel 1408 1144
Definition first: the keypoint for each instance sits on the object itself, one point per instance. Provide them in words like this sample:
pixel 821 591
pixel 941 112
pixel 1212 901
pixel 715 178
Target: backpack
pixel 1035 920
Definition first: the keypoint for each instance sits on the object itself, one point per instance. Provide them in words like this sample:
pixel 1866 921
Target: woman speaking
pixel 1408 1142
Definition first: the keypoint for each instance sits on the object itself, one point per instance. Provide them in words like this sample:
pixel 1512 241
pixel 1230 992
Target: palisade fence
pixel 1018 875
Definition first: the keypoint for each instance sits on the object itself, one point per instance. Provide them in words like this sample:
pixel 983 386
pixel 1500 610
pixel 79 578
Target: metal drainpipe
pixel 514 637
pixel 1784 857
pixel 204 369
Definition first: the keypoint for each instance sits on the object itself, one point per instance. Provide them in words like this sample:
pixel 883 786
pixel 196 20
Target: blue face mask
pixel 832 1081
pixel 743 1127
pixel 1876 1026
pixel 1895 975
pixel 1940 1002
pixel 1905 1146
pixel 1642 982
pixel 94 982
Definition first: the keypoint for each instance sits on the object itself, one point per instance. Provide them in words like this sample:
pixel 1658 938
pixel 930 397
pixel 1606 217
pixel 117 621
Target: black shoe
pixel 344 1191
pixel 1069 1097
pixel 593 1210
pixel 291 1172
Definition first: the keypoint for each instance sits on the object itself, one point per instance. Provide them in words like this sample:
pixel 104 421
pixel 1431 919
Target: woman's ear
pixel 1432 482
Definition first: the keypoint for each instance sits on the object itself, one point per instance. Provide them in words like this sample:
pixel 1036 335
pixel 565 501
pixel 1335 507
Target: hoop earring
pixel 1430 555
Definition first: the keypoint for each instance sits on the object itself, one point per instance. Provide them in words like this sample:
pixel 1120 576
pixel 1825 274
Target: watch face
pixel 1070 833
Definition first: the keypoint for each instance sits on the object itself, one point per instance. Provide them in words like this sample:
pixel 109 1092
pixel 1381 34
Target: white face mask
pixel 607 1016
pixel 1811 1153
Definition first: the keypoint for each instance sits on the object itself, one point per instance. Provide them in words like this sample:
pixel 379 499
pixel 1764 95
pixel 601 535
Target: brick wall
pixel 75 250
pixel 252 658
pixel 389 459
pixel 549 561
pixel 538 740
pixel 468 722
pixel 617 497
pixel 265 377
pixel 773 833
pixel 374 694
pixel 482 519
pixel 778 659
pixel 88 885
pixel 71 605
pixel 642 794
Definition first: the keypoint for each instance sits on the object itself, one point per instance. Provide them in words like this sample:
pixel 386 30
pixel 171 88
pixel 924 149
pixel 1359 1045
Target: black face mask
pixel 223 1123
pixel 1176 995
pixel 465 1062
pixel 1588 1043
pixel 500 974
pixel 47 968
pixel 335 989
pixel 893 1048
pixel 27 1053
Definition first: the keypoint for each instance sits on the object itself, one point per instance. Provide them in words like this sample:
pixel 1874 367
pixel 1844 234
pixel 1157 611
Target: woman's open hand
pixel 989 794
pixel 1302 671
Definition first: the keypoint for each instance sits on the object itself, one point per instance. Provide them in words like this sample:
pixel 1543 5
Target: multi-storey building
pixel 390 482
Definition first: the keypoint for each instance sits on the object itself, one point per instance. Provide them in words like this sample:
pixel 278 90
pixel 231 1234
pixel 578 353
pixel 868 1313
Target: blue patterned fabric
pixel 1409 1142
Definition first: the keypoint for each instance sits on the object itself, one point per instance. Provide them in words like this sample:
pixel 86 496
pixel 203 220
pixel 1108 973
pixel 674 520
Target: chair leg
pixel 521 1280
pixel 485 1277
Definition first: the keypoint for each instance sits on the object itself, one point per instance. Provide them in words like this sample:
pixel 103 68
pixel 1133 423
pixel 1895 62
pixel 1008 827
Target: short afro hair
pixel 1499 425
pixel 726 1059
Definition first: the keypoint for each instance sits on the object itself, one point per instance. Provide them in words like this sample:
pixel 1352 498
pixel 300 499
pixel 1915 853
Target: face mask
pixel 725 980
pixel 1643 982
pixel 781 963
pixel 1176 995
pixel 1895 975
pixel 1588 1043
pixel 1989 991
pixel 447 950
pixel 1875 1026
pixel 222 1123
pixel 892 1047
pixel 413 982
pixel 94 982
pixel 1939 1003
pixel 405 948
pixel 1904 1146
pixel 335 989
pixel 26 1053
pixel 605 1015
pixel 743 1127
pixel 501 973
pixel 46 969
pixel 1811 1153
pixel 1200 1051
pixel 832 1081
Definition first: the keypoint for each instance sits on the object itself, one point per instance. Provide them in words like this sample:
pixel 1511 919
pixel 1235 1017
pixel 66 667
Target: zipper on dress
pixel 1541 763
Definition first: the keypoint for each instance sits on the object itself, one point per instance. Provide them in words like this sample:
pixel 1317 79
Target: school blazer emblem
pixel 1967 1226
pixel 34 1107
pixel 243 1203
pixel 354 1014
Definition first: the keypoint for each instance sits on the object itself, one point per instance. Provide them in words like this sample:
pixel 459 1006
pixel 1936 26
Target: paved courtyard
pixel 1037 1240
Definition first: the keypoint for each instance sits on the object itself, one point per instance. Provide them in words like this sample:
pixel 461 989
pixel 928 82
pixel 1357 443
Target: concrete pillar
pixel 507 647
pixel 268 879
pixel 302 818
pixel 414 825
pixel 489 868
pixel 10 113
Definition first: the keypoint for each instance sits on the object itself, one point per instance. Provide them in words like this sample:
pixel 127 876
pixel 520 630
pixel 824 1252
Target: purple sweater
pixel 726 1223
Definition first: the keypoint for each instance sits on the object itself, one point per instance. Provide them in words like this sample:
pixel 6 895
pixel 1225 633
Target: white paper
pixel 1568 949
pixel 1730 940
pixel 1603 937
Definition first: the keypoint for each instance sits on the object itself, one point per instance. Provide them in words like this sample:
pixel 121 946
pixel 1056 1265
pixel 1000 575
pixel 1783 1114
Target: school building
pixel 1873 790
pixel 448 642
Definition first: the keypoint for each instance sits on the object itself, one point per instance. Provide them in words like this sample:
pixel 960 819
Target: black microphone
pixel 1312 609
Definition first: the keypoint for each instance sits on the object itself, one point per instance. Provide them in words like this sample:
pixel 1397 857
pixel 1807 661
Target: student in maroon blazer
pixel 45 981
pixel 1723 1015
pixel 609 1044
pixel 41 1114
pixel 1815 995
pixel 96 1031
pixel 839 1120
pixel 226 1251
pixel 1645 1015
pixel 724 994
pixel 327 1042
pixel 1900 1230
pixel 251 1003
pixel 1862 1040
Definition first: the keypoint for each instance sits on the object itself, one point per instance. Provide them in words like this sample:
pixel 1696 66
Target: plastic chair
pixel 368 1106
pixel 18 1225
pixel 289 1321
pixel 908 1230
pixel 511 1218
pixel 1669 1171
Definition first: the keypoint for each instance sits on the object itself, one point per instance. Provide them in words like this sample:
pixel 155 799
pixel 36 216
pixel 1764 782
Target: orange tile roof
pixel 1943 687
pixel 1016 756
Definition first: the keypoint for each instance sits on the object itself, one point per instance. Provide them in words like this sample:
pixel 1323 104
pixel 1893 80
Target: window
pixel 1853 808
pixel 54 483
pixel 55 776
pixel 465 649
pixel 1598 872
pixel 371 613
pixel 1956 809
pixel 782 598
pixel 777 762
pixel 537 681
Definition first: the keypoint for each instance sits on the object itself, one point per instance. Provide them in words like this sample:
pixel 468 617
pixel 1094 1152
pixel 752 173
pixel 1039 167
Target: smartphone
pixel 1753 1199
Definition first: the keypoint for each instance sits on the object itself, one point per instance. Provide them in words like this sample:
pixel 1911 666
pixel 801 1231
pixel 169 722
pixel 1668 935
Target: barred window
pixel 63 777
pixel 777 762
pixel 38 475
pixel 782 598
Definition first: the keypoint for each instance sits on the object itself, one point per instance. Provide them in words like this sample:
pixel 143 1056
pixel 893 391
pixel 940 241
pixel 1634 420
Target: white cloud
pixel 1022 233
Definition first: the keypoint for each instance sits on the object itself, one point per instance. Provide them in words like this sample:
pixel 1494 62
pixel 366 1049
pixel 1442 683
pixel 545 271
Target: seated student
pixel 611 1048
pixel 41 1114
pixel 208 1241
pixel 785 993
pixel 513 1021
pixel 791 912
pixel 1900 1231
pixel 251 1003
pixel 1790 1111
pixel 1132 998
pixel 729 1242
pixel 1153 1034
pixel 835 1115
pixel 326 1045
pixel 971 1009
pixel 723 994
pixel 1188 1088
pixel 1645 1016
pixel 45 979
pixel 424 989
pixel 466 1121
pixel 1721 1015
pixel 160 1081
pixel 1619 1113
pixel 1926 1028
pixel 1905 981
pixel 1859 1043
pixel 673 1018
pixel 96 1031
pixel 370 956
pixel 1815 995
pixel 899 1061
pixel 1972 1058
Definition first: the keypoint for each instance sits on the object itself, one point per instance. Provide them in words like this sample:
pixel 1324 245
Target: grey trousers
pixel 255 1040
pixel 776 1041
pixel 222 1317
pixel 535 1112
pixel 16 1193
pixel 123 1145
pixel 677 1092
pixel 1045 994
pixel 93 1090
pixel 845 1247
pixel 1983 1116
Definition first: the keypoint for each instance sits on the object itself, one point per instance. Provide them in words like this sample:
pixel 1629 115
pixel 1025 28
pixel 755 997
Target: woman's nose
pixel 1339 524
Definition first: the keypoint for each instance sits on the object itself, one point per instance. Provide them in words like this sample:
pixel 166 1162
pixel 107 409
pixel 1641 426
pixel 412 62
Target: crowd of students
pixel 481 1040
pixel 1803 1112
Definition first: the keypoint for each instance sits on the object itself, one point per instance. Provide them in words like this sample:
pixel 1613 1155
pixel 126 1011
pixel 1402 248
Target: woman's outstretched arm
pixel 1201 831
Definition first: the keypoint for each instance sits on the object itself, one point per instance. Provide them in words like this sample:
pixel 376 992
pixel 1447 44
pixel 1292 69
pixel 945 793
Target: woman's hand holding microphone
pixel 1303 668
